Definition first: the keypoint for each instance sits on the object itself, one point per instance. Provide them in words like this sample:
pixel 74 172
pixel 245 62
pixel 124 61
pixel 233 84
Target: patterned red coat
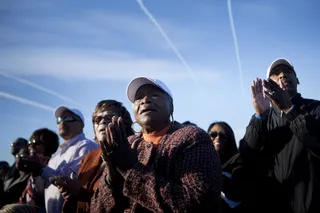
pixel 180 174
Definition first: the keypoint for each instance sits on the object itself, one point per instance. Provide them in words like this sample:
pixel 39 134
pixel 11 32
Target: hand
pixel 113 177
pixel 122 156
pixel 260 103
pixel 33 163
pixel 278 95
pixel 67 187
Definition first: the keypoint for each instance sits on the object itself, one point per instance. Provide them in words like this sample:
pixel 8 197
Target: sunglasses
pixel 216 134
pixel 98 119
pixel 35 142
pixel 67 118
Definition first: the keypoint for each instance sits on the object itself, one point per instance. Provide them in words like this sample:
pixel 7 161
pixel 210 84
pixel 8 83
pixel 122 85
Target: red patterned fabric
pixel 180 174
pixel 27 194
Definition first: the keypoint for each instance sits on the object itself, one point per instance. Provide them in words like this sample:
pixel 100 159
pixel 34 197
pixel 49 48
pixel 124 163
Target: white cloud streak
pixel 168 40
pixel 40 88
pixel 95 65
pixel 26 101
pixel 236 46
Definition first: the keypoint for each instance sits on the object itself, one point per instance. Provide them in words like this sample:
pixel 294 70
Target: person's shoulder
pixel 91 158
pixel 309 101
pixel 192 133
pixel 89 142
pixel 134 138
pixel 311 106
pixel 92 154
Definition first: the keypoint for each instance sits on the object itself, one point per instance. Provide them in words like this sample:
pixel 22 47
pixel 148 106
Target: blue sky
pixel 78 53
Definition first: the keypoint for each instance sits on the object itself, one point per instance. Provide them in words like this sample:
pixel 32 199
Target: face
pixel 218 137
pixel 36 146
pixel 101 121
pixel 16 146
pixel 287 76
pixel 69 125
pixel 152 106
pixel 18 163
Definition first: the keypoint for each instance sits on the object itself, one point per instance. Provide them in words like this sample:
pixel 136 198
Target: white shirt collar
pixel 72 141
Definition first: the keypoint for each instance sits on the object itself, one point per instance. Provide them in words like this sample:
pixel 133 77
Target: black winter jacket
pixel 287 149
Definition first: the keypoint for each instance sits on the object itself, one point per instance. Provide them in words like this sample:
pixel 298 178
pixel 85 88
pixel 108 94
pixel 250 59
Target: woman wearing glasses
pixel 223 140
pixel 236 192
pixel 44 143
pixel 78 193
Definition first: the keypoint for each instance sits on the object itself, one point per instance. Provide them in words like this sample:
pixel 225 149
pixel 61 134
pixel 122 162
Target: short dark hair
pixel 189 123
pixel 121 112
pixel 49 138
pixel 23 141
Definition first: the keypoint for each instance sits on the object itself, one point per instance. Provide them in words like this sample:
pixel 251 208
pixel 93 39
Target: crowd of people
pixel 169 166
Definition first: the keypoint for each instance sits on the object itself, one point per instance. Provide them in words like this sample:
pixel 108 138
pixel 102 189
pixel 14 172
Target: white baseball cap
pixel 62 109
pixel 277 62
pixel 138 82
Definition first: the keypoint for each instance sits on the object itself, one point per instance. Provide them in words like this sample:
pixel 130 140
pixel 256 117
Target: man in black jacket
pixel 11 178
pixel 284 140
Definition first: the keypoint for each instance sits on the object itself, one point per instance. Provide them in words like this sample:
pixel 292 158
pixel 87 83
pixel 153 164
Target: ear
pixel 298 82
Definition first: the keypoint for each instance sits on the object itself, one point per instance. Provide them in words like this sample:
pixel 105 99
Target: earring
pixel 172 119
pixel 132 127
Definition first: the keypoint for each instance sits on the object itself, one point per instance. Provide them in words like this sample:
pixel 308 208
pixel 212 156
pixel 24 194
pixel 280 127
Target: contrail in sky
pixel 235 41
pixel 26 101
pixel 40 88
pixel 165 36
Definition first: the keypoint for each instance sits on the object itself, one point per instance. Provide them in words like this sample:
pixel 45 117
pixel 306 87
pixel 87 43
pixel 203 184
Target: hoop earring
pixel 134 129
pixel 172 119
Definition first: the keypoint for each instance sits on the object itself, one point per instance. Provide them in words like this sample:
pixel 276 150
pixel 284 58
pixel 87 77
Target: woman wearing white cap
pixel 166 167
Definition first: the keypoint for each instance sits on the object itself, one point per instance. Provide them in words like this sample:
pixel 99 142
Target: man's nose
pixel 145 100
pixel 283 75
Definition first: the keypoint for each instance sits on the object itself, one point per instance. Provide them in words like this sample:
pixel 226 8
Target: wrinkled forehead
pixel 107 110
pixel 150 89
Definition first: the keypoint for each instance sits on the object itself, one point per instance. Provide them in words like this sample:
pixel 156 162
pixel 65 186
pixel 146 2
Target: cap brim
pixel 134 86
pixel 278 62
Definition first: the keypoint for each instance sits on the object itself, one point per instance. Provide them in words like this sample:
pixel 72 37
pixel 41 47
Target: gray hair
pixel 18 208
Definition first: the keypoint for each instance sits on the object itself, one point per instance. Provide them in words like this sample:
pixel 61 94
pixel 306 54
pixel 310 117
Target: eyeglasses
pixel 98 119
pixel 68 118
pixel 216 134
pixel 35 142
